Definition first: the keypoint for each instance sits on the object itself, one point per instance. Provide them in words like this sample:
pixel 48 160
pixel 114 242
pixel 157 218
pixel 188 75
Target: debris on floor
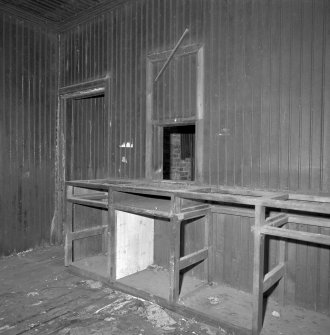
pixel 54 301
pixel 159 318
pixel 51 300
pixel 214 300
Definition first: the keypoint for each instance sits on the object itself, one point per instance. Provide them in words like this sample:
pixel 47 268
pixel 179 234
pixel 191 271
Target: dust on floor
pixel 38 296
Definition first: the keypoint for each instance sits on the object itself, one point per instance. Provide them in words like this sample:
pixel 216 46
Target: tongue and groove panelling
pixel 266 108
pixel 266 87
pixel 28 86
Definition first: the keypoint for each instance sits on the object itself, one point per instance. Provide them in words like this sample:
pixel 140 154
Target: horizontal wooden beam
pixel 309 197
pixel 92 196
pixel 230 210
pixel 193 258
pixel 193 214
pixel 179 121
pixel 273 276
pixel 195 208
pixel 88 232
pixel 87 202
pixel 310 220
pixel 91 186
pixel 296 235
pixel 141 211
pixel 277 220
pixel 291 204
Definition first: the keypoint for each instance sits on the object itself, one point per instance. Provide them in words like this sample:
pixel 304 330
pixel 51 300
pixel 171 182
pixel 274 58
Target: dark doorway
pixel 86 138
pixel 179 152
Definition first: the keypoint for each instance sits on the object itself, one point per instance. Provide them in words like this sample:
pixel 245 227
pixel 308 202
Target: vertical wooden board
pixel 230 81
pixel 306 90
pixel 251 253
pixel 204 94
pixel 87 247
pixel 235 222
pixel 245 283
pixel 133 89
pixel 248 86
pixel 295 95
pixel 157 113
pixel 317 111
pixel 220 34
pixel 323 299
pixel 274 102
pixel 86 217
pixel 228 246
pixel 265 96
pixel 312 264
pixel 181 81
pixel 272 260
pixel 219 247
pixel 26 172
pixel 255 53
pixel 290 288
pixel 167 97
pixel 240 98
pixel 135 243
pixel 161 243
pixel 192 239
pixel 215 112
pixel 326 99
pixel 302 289
pixel 285 95
pixel 126 89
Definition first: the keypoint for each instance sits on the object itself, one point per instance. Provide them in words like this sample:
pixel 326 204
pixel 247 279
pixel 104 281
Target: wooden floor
pixel 39 296
pixel 231 306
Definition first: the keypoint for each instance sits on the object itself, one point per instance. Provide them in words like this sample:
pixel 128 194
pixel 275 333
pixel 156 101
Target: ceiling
pixel 54 11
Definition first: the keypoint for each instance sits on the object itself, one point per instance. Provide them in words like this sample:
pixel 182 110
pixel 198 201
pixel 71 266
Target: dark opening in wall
pixel 86 134
pixel 179 153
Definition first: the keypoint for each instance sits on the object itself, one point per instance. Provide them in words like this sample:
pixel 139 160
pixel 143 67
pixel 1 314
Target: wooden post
pixel 282 259
pixel 174 267
pixel 112 238
pixel 208 242
pixel 258 270
pixel 68 226
pixel 105 234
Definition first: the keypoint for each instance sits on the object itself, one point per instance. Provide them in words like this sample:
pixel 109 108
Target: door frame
pixel 76 91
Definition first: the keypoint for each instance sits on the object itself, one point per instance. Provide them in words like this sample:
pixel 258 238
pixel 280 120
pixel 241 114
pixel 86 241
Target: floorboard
pixel 39 296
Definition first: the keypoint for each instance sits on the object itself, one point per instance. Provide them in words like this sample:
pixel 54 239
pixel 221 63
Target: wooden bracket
pixel 172 54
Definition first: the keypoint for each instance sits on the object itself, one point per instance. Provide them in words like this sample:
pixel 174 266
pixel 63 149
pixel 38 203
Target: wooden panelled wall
pixel 267 107
pixel 27 133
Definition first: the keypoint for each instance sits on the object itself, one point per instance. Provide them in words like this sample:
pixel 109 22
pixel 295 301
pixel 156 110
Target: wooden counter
pixel 175 202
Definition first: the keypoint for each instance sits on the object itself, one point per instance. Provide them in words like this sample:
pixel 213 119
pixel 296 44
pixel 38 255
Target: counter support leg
pixel 112 238
pixel 258 270
pixel 208 243
pixel 282 259
pixel 68 226
pixel 174 269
